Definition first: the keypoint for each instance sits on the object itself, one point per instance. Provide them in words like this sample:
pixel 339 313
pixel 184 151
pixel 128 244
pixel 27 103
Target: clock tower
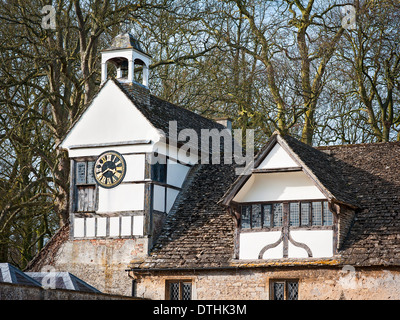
pixel 119 196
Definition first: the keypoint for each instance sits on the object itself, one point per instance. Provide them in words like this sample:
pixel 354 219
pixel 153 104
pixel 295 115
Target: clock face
pixel 109 169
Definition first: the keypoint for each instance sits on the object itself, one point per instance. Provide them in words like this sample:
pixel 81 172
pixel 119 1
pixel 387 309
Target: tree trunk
pixel 61 204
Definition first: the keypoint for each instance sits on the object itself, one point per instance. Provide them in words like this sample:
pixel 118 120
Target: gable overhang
pixel 276 138
pixel 62 146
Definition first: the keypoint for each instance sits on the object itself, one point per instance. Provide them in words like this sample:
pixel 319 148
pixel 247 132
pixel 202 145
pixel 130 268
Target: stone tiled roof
pixel 200 234
pixel 327 169
pixel 160 112
pixel 372 178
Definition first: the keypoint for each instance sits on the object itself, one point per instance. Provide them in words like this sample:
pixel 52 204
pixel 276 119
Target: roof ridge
pixel 124 88
pixel 354 145
pixel 323 168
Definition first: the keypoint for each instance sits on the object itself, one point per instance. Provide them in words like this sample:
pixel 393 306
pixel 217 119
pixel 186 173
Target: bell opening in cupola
pixel 131 62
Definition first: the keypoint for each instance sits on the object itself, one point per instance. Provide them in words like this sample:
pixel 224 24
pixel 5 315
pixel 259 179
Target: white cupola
pixel 125 52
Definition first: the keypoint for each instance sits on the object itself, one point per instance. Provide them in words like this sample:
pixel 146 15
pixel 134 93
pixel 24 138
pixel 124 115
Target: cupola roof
pixel 125 41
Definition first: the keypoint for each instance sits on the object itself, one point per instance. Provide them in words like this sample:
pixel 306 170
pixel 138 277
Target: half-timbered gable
pixel 282 211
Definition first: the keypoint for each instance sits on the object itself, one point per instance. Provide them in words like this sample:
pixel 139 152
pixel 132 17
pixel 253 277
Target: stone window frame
pixel 286 286
pixel 181 282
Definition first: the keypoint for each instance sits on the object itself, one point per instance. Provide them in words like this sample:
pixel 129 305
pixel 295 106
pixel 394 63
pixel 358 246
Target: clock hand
pixel 108 169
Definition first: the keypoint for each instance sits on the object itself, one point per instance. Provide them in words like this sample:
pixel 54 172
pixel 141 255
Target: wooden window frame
pixel 76 186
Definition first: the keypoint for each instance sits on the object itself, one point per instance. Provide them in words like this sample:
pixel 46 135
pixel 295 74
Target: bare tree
pixel 372 54
pixel 288 39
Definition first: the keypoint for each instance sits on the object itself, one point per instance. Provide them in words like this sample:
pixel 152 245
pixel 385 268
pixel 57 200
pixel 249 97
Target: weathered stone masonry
pixel 253 284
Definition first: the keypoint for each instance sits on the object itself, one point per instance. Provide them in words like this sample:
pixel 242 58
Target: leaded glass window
pixel 279 291
pixel 299 214
pixel 292 290
pixel 174 291
pixel 316 214
pixel 278 215
pixel 294 212
pixel 256 217
pixel 284 290
pixel 328 216
pixel 179 290
pixel 305 213
pixel 186 291
pixel 245 220
pixel 267 211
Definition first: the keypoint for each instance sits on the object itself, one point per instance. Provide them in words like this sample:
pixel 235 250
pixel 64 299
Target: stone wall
pixel 100 263
pixel 10 291
pixel 253 284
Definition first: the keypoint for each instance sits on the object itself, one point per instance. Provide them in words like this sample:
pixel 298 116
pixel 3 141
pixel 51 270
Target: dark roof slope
pixel 62 280
pixel 11 274
pixel 199 233
pixel 160 112
pixel 326 168
pixel 372 173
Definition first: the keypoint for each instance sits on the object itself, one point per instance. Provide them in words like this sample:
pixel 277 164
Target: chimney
pixel 225 121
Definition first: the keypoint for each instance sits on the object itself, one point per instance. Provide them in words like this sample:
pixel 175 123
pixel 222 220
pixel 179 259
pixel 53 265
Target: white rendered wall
pixel 138 222
pixel 278 187
pixel 320 243
pixel 101 230
pixel 114 226
pixel 79 227
pixel 171 197
pixel 90 227
pixel 164 197
pixel 111 118
pixel 124 197
pixel 122 149
pixel 251 244
pixel 123 226
pixel 277 158
pixel 159 198
pixel 177 153
pixel 135 167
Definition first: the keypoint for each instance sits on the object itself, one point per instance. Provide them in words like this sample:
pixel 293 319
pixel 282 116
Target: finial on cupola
pixel 125 52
